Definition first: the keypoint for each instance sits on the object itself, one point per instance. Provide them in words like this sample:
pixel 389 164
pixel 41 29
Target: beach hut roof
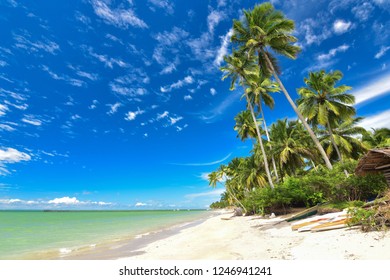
pixel 376 160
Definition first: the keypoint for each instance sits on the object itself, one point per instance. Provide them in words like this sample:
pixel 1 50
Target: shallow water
pixel 39 234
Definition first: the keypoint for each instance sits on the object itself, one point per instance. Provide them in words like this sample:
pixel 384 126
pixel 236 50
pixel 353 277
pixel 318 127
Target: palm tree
pixel 244 125
pixel 217 177
pixel 322 103
pixel 264 29
pixel 290 145
pixel 259 89
pixel 238 68
pixel 377 138
pixel 345 137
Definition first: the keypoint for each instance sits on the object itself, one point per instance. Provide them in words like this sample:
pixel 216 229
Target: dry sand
pixel 253 238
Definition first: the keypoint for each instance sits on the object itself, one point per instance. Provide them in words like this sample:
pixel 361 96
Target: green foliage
pixel 364 217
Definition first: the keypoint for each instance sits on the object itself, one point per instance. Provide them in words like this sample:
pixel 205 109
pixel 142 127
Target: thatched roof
pixel 376 160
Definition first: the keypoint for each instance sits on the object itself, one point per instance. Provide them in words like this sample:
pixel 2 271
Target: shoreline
pixel 255 238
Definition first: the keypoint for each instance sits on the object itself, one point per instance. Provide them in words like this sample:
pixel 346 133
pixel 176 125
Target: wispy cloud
pixel 179 84
pixel 213 193
pixel 204 163
pixel 11 155
pixel 130 116
pixel 166 5
pixel 30 119
pixel 46 45
pixel 379 120
pixel 382 52
pixel 373 89
pixel 326 60
pixel 223 50
pixel 62 77
pixel 121 18
pixel 213 19
pixel 113 108
pixel 217 111
pixel 105 59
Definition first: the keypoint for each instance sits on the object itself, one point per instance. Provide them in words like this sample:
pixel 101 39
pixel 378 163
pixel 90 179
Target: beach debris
pixel 272 216
pixel 323 222
pixel 304 214
pixel 238 211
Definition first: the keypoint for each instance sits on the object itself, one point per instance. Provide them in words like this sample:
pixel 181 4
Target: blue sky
pixel 120 105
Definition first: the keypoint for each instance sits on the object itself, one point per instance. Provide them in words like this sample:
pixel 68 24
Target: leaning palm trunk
pixel 236 199
pixel 260 142
pixel 305 124
pixel 268 138
pixel 336 147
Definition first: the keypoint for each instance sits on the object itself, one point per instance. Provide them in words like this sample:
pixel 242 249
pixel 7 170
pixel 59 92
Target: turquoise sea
pixel 41 234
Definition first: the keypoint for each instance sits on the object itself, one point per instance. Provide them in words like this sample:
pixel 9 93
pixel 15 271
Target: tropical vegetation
pixel 312 158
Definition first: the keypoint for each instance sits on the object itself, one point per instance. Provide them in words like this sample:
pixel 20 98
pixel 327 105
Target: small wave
pixel 65 251
pixel 138 236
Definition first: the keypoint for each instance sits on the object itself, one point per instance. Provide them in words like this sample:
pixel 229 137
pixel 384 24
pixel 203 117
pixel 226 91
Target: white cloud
pixel 223 50
pixel 179 84
pixel 11 155
pixel 213 19
pixel 219 110
pixel 162 115
pixel 6 127
pixel 163 4
pixel 130 116
pixel 168 69
pixel 373 89
pixel 64 200
pixel 379 120
pixel 340 26
pixel 108 61
pixel 3 109
pixel 174 120
pixel 382 52
pixel 22 42
pixel 363 12
pixel 66 78
pixel 113 108
pixel 205 163
pixel 140 204
pixel 31 120
pixel 332 53
pixel 119 17
pixel 205 176
pixel 213 91
pixel 187 97
pixel 314 31
pixel 10 201
pixel 326 60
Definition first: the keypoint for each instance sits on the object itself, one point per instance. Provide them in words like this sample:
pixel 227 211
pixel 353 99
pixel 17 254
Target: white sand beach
pixel 252 238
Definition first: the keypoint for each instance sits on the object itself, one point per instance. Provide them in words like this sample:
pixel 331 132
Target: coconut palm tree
pixel 238 68
pixel 259 89
pixel 244 125
pixel 290 145
pixel 377 138
pixel 263 30
pixel 218 177
pixel 324 103
pixel 345 135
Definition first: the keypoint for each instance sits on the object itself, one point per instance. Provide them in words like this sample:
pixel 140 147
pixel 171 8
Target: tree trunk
pixel 268 138
pixel 239 202
pixel 260 142
pixel 305 124
pixel 336 147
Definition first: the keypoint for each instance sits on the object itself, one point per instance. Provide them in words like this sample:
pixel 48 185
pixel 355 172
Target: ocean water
pixel 30 234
